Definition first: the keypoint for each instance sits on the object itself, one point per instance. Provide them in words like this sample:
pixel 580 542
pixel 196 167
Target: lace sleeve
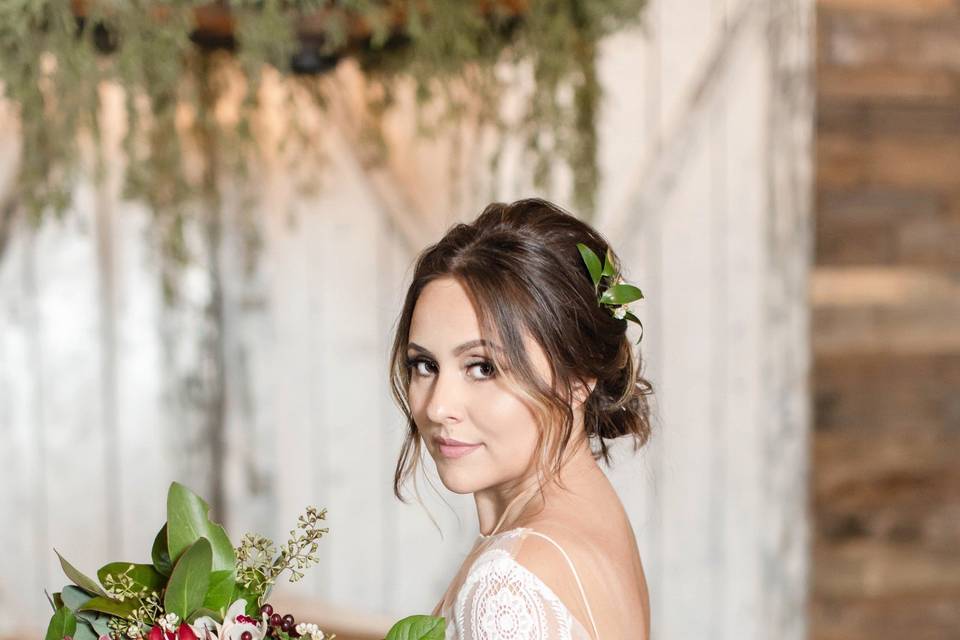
pixel 503 600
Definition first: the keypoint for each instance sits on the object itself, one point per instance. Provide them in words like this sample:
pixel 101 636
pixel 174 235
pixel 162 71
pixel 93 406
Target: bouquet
pixel 198 586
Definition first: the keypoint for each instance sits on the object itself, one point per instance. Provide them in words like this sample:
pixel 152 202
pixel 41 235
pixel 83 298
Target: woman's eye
pixel 414 363
pixel 486 369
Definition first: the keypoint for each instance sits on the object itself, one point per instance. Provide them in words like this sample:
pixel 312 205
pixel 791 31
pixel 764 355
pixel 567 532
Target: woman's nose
pixel 444 405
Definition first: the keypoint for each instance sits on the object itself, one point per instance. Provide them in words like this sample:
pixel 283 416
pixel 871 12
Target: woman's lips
pixel 454 448
pixel 457 451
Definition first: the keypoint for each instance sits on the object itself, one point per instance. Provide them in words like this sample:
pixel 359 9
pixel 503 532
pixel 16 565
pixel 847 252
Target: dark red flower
pixel 185 632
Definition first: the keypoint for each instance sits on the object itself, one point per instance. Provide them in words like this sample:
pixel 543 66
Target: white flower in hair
pixel 620 312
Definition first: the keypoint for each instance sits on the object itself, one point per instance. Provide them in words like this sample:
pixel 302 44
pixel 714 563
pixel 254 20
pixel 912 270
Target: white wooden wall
pixel 705 149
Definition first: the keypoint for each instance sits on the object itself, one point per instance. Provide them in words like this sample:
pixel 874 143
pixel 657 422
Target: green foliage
pixel 221 592
pixel 110 606
pixel 418 628
pixel 128 580
pixel 62 623
pixel 74 597
pixel 206 577
pixel 189 580
pixel 54 68
pixel 78 578
pixel 159 554
pixel 616 294
pixel 258 564
pixel 188 522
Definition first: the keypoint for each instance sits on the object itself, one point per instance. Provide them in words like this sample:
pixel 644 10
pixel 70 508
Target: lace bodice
pixel 500 599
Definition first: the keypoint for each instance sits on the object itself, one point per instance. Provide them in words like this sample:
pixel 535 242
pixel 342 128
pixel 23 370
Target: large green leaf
pixel 187 522
pixel 62 623
pixel 74 597
pixel 220 593
pixel 109 605
pixel 418 628
pixel 592 262
pixel 142 575
pixel 189 580
pixel 159 554
pixel 82 581
pixel 621 294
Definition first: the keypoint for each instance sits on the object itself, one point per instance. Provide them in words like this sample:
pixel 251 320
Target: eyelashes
pixel 488 370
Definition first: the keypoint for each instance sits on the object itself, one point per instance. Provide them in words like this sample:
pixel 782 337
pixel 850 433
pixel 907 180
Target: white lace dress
pixel 500 599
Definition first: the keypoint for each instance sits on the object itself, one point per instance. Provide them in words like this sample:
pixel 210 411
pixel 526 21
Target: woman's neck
pixel 499 508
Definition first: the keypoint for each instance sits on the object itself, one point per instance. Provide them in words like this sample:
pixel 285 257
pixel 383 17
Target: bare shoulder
pixel 594 569
pixel 558 557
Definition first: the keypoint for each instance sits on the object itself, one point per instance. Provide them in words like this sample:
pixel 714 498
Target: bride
pixel 514 377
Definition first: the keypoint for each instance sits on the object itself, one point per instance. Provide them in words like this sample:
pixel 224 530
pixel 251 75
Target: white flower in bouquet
pixel 234 624
pixel 169 623
pixel 309 629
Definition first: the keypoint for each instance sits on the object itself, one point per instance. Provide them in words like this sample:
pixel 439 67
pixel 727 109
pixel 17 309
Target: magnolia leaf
pixel 187 522
pixel 189 580
pixel 608 265
pixel 592 262
pixel 62 623
pixel 630 316
pixel 418 628
pixel 220 593
pixel 633 318
pixel 621 294
pixel 142 575
pixel 160 555
pixel 79 579
pixel 110 606
pixel 74 597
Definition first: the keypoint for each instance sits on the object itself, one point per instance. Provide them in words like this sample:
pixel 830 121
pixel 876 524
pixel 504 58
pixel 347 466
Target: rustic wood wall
pixel 886 304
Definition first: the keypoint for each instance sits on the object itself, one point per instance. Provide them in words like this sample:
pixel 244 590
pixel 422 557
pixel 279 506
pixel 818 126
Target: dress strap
pixel 583 594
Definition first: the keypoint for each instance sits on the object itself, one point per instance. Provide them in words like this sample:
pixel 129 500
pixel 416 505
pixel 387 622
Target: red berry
pixel 289 619
pixel 246 635
pixel 275 620
pixel 266 610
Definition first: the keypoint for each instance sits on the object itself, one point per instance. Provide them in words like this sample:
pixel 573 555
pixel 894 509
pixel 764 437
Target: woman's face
pixel 457 394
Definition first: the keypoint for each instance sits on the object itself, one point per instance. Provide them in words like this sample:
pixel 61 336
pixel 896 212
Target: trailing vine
pixel 56 55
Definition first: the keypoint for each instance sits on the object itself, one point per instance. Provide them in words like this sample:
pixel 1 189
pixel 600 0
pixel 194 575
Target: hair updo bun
pixel 520 266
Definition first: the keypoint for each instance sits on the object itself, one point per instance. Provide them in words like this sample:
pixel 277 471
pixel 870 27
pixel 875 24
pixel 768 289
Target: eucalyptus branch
pixel 258 569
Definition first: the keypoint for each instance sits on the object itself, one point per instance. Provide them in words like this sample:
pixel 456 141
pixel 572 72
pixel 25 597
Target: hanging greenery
pixel 178 56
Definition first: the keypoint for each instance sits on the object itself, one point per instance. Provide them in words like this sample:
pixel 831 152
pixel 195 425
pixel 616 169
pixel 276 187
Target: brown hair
pixel 521 268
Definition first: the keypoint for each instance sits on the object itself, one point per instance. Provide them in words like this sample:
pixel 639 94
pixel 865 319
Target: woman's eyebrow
pixel 457 350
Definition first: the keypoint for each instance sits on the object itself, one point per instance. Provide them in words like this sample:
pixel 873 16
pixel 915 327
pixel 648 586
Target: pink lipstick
pixel 454 448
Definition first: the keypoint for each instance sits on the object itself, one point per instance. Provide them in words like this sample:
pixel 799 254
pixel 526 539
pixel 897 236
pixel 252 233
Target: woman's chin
pixel 457 482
